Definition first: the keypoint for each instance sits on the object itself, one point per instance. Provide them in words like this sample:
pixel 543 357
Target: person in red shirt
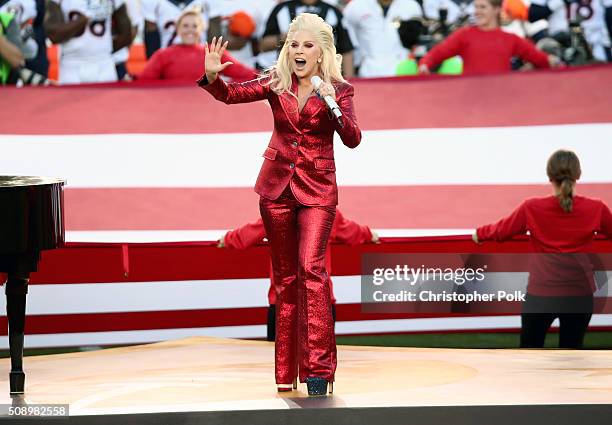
pixel 562 226
pixel 185 61
pixel 485 48
pixel 344 231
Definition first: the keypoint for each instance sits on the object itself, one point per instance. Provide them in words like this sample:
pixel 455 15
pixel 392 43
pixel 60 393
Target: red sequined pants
pixel 305 338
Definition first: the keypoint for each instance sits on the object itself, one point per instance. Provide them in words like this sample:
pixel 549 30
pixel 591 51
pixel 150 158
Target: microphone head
pixel 316 81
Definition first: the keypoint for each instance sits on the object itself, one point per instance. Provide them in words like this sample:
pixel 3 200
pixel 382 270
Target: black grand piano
pixel 31 221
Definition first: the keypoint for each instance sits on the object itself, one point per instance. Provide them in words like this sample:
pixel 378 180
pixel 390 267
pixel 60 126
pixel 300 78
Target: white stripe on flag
pixel 80 298
pixel 138 236
pixel 502 155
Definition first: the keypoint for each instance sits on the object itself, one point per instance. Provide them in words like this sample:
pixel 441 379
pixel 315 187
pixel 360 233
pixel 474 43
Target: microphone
pixel 329 101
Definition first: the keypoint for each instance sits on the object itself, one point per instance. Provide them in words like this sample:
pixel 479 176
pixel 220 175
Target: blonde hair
pixel 330 67
pixel 196 14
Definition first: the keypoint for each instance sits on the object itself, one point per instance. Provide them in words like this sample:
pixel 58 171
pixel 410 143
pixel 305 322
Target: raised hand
pixel 212 60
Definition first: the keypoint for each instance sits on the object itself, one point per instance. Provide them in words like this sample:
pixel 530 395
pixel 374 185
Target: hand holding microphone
pixel 327 92
pixel 322 88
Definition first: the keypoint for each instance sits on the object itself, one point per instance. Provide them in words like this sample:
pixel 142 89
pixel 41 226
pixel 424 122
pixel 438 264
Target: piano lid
pixel 31 217
pixel 19 181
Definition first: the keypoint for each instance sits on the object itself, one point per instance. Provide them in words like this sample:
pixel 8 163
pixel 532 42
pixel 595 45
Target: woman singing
pixel 297 188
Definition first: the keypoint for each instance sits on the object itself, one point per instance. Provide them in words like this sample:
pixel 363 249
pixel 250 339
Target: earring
pixel 319 60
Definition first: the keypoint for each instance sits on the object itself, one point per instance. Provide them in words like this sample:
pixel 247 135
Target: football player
pixel 84 30
pixel 594 17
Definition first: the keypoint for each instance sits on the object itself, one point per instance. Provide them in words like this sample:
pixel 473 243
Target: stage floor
pixel 197 376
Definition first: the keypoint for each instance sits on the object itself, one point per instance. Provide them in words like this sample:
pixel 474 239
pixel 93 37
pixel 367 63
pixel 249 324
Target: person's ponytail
pixel 566 195
pixel 563 169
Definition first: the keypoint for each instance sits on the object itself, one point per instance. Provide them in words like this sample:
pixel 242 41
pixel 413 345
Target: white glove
pixel 99 10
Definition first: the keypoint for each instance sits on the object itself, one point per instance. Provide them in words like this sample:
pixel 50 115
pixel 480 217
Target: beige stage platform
pixel 210 376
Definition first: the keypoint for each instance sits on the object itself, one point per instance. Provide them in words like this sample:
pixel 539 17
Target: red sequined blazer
pixel 301 149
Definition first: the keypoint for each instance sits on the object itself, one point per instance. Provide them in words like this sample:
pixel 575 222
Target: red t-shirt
pixel 485 52
pixel 181 62
pixel 554 231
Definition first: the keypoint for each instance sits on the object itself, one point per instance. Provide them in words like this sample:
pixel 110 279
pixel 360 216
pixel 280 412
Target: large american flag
pixel 167 163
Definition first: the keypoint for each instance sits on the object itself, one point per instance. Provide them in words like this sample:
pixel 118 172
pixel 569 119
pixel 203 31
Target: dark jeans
pixel 271 328
pixel 539 313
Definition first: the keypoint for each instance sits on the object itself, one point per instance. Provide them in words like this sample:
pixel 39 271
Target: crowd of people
pixel 376 38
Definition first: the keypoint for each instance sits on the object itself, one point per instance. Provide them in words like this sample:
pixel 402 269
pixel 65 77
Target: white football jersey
pixel 593 18
pixel 164 14
pixel 591 13
pixel 24 10
pixel 96 41
pixel 376 34
pixel 431 9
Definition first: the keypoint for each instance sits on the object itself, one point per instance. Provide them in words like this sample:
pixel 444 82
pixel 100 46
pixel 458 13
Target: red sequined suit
pixel 344 231
pixel 297 185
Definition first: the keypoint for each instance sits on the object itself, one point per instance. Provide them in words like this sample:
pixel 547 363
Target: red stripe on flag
pixel 155 262
pixel 568 96
pixel 378 206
